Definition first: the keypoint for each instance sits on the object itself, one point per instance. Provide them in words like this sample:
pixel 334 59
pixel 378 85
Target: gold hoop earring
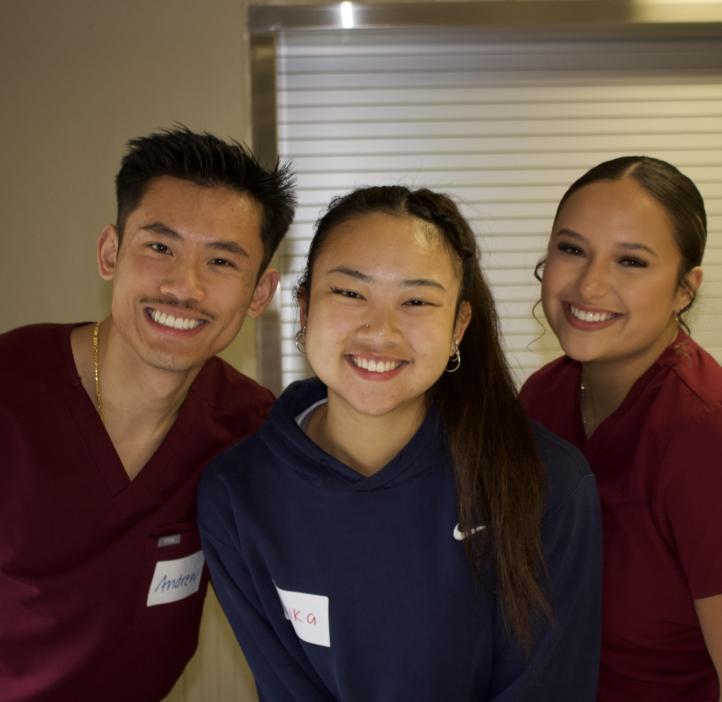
pixel 454 360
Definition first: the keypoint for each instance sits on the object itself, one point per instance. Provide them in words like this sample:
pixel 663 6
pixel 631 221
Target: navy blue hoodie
pixel 345 587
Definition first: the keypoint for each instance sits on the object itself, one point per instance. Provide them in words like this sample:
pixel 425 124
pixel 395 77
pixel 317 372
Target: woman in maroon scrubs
pixel 642 400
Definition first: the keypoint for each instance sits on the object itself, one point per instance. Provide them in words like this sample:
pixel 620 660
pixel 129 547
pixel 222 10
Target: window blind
pixel 502 126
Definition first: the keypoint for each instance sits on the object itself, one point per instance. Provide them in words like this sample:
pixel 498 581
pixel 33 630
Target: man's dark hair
pixel 204 159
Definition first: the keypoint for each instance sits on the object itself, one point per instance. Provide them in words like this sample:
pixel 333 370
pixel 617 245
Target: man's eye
pixel 160 248
pixel 221 262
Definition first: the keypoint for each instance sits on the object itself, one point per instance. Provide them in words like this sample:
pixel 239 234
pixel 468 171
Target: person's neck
pixel 139 402
pixel 363 442
pixel 606 384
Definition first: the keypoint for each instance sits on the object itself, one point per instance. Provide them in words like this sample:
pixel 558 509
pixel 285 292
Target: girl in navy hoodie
pixel 398 530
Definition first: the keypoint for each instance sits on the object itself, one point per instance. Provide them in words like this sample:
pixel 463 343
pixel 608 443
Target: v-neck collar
pixel 160 469
pixel 666 359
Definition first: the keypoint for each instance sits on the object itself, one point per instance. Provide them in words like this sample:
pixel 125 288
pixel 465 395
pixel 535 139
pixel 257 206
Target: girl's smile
pixel 381 315
pixel 610 286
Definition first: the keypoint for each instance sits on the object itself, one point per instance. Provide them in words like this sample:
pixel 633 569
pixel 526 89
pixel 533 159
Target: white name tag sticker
pixel 308 615
pixel 175 580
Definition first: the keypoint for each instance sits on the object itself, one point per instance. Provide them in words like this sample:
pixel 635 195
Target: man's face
pixel 186 274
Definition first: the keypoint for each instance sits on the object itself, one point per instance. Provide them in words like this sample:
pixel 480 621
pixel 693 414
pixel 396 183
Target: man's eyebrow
pixel 228 246
pixel 364 278
pixel 160 228
pixel 628 245
pixel 231 247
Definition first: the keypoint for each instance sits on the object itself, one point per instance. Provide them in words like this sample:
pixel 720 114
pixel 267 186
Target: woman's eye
pixel 416 302
pixel 570 249
pixel 632 262
pixel 345 292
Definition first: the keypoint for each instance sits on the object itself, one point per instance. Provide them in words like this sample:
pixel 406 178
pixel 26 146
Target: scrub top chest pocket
pixel 174 579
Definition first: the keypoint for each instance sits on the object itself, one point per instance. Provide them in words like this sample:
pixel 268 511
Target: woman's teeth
pixel 591 316
pixel 375 366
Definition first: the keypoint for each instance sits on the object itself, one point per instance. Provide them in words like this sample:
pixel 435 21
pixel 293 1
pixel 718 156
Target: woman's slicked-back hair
pixel 677 194
pixel 500 479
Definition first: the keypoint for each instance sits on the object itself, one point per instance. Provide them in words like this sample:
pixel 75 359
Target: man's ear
pixel 107 252
pixel 263 293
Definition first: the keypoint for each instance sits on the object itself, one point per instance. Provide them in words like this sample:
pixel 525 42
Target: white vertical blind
pixel 502 126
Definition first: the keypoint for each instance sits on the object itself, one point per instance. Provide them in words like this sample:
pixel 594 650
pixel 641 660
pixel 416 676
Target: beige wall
pixel 79 78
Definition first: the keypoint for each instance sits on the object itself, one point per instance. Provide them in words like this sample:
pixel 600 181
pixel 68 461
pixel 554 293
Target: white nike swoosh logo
pixel 461 535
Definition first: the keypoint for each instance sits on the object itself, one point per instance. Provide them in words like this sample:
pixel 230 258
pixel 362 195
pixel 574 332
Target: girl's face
pixel 610 285
pixel 381 314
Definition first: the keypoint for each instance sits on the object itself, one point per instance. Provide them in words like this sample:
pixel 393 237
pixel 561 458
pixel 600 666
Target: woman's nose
pixel 593 282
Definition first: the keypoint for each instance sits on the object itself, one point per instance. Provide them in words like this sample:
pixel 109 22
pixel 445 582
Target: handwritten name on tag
pixel 175 580
pixel 308 615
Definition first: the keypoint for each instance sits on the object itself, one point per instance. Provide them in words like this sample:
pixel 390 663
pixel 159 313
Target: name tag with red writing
pixel 175 580
pixel 308 615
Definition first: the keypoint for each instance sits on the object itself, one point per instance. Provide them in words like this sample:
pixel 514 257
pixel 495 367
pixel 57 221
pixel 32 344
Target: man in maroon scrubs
pixel 105 427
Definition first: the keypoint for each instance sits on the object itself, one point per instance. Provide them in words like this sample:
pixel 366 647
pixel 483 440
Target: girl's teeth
pixel 168 320
pixel 375 366
pixel 590 316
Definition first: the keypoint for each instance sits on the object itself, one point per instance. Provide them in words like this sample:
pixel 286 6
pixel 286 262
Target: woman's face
pixel 381 322
pixel 610 285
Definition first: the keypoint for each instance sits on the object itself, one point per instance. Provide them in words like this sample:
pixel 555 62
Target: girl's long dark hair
pixel 499 475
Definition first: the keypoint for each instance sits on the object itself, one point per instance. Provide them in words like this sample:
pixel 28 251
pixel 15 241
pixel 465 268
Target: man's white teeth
pixel 590 316
pixel 168 320
pixel 375 366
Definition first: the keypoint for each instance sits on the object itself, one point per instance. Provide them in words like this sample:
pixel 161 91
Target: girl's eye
pixel 632 262
pixel 416 302
pixel 344 292
pixel 160 248
pixel 571 249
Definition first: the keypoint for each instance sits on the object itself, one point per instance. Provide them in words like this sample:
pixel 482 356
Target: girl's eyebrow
pixel 352 272
pixel 358 275
pixel 632 246
pixel 628 245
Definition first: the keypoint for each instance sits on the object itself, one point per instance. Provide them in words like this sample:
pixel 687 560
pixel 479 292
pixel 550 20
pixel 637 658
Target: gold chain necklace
pixel 96 372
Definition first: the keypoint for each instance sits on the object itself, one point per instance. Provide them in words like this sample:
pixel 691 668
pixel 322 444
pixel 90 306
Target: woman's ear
pixel 463 317
pixel 302 310
pixel 690 287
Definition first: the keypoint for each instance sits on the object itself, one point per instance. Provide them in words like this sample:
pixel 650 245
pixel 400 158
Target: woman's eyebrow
pixel 412 282
pixel 352 272
pixel 628 245
pixel 363 277
pixel 632 246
